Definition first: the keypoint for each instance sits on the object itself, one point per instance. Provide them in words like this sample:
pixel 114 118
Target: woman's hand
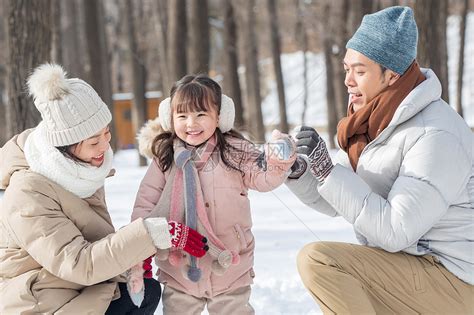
pixel 177 235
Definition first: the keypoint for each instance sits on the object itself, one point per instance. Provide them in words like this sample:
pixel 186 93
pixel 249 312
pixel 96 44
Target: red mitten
pixel 187 239
pixel 147 268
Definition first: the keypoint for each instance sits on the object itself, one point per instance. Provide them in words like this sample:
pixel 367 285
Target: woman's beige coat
pixel 59 253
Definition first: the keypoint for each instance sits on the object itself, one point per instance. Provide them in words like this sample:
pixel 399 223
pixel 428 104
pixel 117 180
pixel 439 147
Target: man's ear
pixel 392 77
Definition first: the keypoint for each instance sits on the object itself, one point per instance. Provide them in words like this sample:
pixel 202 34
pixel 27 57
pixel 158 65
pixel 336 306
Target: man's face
pixel 364 78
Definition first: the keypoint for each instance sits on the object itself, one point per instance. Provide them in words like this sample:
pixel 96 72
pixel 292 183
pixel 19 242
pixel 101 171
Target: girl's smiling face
pixel 195 127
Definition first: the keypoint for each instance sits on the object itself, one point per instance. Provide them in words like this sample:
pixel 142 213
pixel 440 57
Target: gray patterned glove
pixel 298 168
pixel 312 145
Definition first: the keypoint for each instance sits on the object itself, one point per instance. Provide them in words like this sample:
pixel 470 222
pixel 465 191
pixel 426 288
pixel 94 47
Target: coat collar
pixel 424 94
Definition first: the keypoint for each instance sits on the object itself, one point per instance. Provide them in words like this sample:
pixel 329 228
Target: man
pixel 403 178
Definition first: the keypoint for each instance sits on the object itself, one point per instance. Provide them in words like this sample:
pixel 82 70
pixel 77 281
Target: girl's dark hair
pixel 195 93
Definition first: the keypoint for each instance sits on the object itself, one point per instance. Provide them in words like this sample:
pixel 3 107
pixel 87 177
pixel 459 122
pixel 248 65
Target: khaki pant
pixel 353 279
pixel 234 302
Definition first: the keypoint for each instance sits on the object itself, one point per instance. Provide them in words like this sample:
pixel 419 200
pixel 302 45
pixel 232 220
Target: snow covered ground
pixel 282 225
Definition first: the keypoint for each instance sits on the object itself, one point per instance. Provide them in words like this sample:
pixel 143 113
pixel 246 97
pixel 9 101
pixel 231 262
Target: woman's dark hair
pixel 195 93
pixel 67 152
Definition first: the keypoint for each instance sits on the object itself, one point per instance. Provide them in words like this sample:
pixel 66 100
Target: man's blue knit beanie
pixel 388 37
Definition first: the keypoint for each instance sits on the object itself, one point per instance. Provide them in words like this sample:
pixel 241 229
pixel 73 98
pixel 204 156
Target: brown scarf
pixel 359 128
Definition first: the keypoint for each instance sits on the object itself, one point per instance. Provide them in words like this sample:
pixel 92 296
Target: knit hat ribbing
pixel 70 108
pixel 388 37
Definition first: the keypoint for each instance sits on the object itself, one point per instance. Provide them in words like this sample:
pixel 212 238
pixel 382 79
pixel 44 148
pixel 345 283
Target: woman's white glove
pixel 159 232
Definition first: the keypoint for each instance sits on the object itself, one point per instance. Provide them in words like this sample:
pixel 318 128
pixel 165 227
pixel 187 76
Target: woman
pixel 58 250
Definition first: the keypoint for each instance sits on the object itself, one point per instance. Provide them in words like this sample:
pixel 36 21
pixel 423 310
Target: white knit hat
pixel 70 108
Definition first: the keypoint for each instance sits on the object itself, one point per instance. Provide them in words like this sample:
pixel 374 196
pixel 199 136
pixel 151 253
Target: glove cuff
pixel 158 230
pixel 298 168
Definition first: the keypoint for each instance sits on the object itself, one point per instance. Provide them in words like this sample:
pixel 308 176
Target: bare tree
pixel 3 114
pixel 341 10
pixel 302 39
pixel 72 53
pixel 275 43
pixel 3 72
pixel 161 27
pixel 252 74
pixel 56 47
pixel 331 101
pixel 139 75
pixel 432 47
pixel 176 43
pixel 98 56
pixel 231 77
pixel 358 8
pixel 29 44
pixel 199 42
pixel 462 39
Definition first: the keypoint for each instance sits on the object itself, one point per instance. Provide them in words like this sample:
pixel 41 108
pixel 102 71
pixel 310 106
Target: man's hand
pixel 309 143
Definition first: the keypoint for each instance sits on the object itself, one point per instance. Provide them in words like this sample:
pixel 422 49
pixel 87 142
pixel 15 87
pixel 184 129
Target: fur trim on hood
pixel 145 137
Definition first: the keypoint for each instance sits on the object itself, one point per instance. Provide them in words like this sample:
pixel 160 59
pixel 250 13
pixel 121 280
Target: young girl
pixel 200 175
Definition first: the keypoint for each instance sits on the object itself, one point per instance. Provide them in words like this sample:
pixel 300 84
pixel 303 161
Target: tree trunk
pixel 199 43
pixel 118 52
pixel 56 47
pixel 462 40
pixel 177 39
pixel 432 47
pixel 3 73
pixel 161 33
pixel 275 43
pixel 3 109
pixel 338 36
pixel 29 45
pixel 100 72
pixel 330 77
pixel 302 39
pixel 72 54
pixel 357 10
pixel 231 77
pixel 252 73
pixel 139 77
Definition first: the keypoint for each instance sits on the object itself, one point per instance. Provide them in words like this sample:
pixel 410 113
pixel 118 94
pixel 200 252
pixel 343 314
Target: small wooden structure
pixel 123 117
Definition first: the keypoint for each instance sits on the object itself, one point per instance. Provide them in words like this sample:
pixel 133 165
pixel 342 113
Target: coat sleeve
pixel 306 187
pixel 39 226
pixel 261 172
pixel 149 192
pixel 432 175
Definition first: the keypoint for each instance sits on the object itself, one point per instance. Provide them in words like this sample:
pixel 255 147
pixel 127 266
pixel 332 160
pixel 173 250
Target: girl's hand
pixel 281 146
pixel 187 239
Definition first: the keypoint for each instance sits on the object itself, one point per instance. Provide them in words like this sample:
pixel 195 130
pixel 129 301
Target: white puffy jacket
pixel 413 190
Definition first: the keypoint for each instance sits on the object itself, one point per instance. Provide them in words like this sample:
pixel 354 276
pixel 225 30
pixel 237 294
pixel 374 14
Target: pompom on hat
pixel 70 108
pixel 388 37
pixel 226 114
